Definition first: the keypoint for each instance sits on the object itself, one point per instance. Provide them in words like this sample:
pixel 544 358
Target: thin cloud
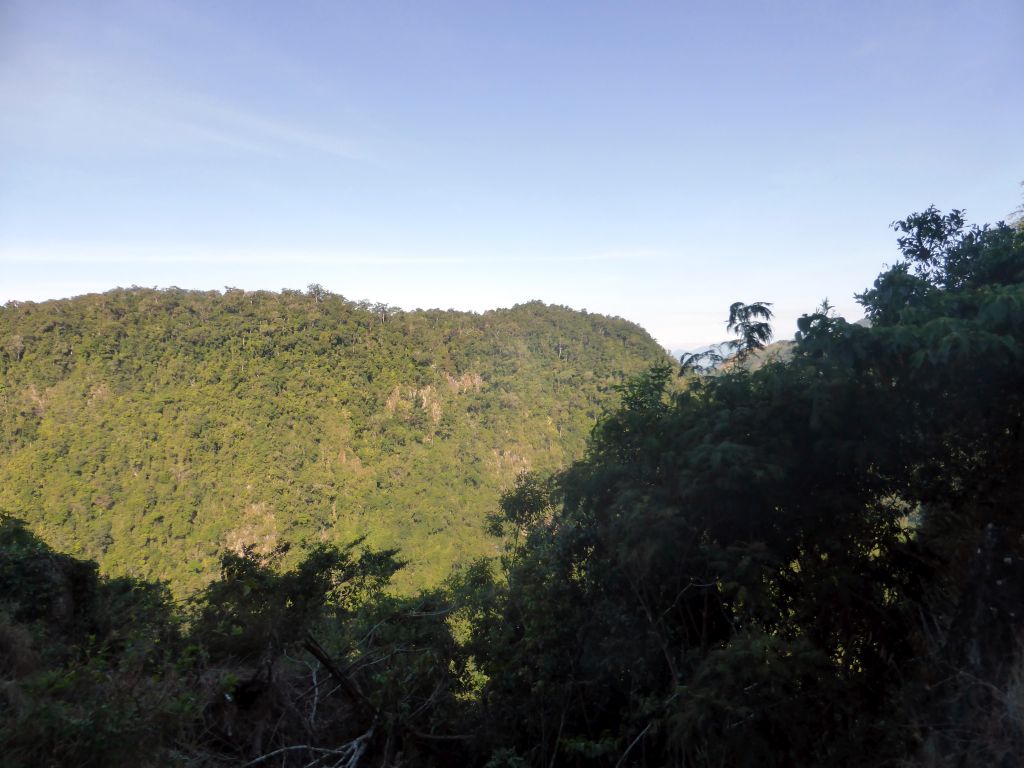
pixel 78 100
pixel 249 130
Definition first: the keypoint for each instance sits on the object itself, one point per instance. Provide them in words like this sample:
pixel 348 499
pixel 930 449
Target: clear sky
pixel 653 160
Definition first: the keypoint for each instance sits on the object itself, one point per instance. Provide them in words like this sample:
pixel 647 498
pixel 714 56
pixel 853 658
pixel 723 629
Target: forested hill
pixel 153 429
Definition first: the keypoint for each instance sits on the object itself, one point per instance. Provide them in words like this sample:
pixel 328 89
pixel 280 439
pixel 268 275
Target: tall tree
pixel 751 323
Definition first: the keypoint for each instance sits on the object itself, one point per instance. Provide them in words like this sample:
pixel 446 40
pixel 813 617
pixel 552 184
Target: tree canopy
pixel 816 562
pixel 150 429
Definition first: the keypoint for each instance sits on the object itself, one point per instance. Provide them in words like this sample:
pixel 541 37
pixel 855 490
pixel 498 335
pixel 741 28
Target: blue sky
pixel 653 160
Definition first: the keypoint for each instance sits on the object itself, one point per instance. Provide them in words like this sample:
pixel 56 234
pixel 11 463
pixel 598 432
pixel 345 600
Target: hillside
pixel 151 430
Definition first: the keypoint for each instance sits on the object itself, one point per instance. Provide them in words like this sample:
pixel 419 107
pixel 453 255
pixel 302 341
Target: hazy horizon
pixel 654 162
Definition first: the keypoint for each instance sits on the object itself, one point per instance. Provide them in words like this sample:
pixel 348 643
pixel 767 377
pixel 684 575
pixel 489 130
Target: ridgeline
pixel 153 430
pixel 815 561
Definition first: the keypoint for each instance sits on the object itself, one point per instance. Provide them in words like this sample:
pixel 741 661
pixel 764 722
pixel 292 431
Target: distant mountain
pixel 721 356
pixel 151 429
pixel 721 348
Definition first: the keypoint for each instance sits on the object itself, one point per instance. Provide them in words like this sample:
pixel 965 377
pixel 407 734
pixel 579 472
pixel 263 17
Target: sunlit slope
pixel 151 429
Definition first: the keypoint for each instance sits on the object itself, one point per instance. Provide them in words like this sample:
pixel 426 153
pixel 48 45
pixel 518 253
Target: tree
pixel 814 563
pixel 750 322
pixel 317 292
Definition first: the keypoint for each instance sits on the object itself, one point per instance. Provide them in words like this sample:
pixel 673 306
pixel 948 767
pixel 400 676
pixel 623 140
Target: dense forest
pixel 151 429
pixel 814 562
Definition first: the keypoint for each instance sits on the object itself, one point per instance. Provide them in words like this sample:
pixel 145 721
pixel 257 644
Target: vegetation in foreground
pixel 815 563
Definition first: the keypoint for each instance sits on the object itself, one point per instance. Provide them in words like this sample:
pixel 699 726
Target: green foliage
pixel 88 672
pixel 784 566
pixel 809 561
pixel 152 430
pixel 254 613
pixel 750 322
pixel 245 679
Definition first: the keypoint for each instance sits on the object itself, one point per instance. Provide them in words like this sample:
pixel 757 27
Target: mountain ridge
pixel 152 429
